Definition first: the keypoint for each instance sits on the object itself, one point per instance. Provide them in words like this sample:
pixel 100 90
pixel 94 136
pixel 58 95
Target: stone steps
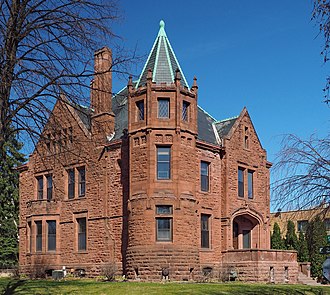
pixel 303 279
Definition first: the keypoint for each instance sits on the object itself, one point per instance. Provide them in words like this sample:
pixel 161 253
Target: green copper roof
pixel 162 61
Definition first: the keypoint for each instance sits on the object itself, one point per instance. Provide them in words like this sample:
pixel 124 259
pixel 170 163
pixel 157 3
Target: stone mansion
pixel 149 181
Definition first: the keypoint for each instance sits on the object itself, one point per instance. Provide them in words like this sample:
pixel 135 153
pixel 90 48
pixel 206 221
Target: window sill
pixel 75 199
pixel 206 250
pixel 165 180
pixel 82 252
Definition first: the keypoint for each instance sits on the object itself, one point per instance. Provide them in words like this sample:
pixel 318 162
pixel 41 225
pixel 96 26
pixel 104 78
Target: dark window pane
pixel 240 182
pixel 40 182
pixel 163 108
pixel 250 184
pixel 164 229
pixel 38 235
pixel 71 184
pixel 82 182
pixel 246 239
pixel 51 235
pixel 204 176
pixel 185 108
pixel 49 187
pixel 140 110
pixel 81 233
pixel 163 209
pixel 30 236
pixel 326 223
pixel 163 162
pixel 205 234
pixel 302 225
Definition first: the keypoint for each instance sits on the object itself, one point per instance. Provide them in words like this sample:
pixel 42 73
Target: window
pixel 81 182
pixel 48 140
pixel 51 238
pixel 38 236
pixel 205 231
pixel 246 137
pixel 327 224
pixel 240 182
pixel 30 236
pixel 140 110
pixel 81 234
pixel 163 162
pixel 302 225
pixel 40 184
pixel 70 131
pixel 71 183
pixel 250 184
pixel 49 187
pixel 164 223
pixel 205 176
pixel 163 108
pixel 246 239
pixel 185 111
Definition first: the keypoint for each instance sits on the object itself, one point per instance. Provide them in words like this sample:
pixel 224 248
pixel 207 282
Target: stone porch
pixel 261 265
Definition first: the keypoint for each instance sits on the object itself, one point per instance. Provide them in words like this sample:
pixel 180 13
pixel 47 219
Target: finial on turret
pixel 194 87
pixel 149 74
pixel 130 81
pixel 177 74
pixel 195 82
pixel 162 29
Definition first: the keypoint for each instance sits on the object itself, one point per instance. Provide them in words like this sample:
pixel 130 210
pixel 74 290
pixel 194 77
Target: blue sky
pixel 264 55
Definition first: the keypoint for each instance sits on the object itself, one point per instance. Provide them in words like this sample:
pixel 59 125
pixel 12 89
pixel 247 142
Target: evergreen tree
pixel 302 248
pixel 9 205
pixel 276 239
pixel 316 237
pixel 291 240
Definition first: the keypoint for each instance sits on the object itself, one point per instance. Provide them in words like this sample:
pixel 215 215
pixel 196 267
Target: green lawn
pixel 85 286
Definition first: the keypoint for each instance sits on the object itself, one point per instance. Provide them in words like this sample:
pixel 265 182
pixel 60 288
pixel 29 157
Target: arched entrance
pixel 245 232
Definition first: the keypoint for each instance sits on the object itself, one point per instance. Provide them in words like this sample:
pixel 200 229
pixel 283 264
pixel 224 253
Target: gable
pixel 62 118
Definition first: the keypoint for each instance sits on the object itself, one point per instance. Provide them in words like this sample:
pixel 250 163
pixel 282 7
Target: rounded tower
pixel 162 206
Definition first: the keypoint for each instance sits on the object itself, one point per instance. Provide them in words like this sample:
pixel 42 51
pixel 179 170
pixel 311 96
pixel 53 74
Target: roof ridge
pixel 227 119
pixel 207 113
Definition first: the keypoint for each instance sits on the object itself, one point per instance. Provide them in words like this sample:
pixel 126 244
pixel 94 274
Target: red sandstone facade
pixel 149 181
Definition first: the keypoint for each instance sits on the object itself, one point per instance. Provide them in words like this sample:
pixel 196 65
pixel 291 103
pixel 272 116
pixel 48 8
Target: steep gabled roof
pixel 205 128
pixel 224 126
pixel 162 61
pixel 84 114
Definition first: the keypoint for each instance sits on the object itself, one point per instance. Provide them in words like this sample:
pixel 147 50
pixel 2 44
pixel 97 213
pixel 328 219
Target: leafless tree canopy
pixel 46 48
pixel 321 14
pixel 303 173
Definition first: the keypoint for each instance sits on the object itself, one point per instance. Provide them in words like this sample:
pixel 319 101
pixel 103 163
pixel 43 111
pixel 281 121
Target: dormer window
pixel 163 108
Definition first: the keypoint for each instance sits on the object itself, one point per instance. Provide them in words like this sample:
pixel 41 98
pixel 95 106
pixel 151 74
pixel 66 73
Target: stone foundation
pixel 257 265
pixel 154 262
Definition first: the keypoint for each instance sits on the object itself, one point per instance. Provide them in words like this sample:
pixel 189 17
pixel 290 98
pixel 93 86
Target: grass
pixel 85 286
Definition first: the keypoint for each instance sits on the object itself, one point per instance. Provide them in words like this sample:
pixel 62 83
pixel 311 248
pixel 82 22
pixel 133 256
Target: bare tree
pixel 302 172
pixel 46 49
pixel 321 15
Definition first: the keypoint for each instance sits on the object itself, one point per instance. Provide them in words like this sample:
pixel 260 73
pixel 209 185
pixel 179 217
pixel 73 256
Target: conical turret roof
pixel 162 61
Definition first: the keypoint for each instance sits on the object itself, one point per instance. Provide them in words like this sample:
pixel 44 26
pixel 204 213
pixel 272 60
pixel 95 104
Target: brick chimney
pixel 102 83
pixel 101 96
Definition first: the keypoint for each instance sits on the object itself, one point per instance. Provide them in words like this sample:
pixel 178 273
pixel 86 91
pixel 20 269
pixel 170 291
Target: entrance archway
pixel 245 232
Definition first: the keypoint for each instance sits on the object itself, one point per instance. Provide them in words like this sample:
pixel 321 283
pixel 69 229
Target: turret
pixel 162 131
